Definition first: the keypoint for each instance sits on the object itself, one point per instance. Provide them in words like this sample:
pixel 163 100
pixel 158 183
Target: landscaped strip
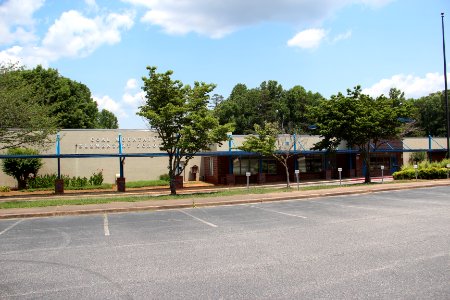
pixel 137 198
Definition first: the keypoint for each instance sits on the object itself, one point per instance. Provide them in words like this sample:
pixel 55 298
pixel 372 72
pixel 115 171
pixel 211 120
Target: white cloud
pixel 219 18
pixel 28 56
pixel 307 39
pixel 108 103
pixel 74 35
pixel 16 20
pixel 131 84
pixel 412 86
pixel 133 97
pixel 135 100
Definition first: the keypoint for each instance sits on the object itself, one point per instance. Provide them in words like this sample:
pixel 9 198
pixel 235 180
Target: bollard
pixel 415 170
pixel 382 174
pixel 340 176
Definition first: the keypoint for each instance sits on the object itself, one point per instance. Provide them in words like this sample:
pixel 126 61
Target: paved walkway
pixel 158 204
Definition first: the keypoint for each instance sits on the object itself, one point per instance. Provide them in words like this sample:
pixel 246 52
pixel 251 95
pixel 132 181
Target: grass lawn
pixel 125 198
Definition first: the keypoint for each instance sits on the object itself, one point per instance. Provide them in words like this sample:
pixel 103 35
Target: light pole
pixel 445 91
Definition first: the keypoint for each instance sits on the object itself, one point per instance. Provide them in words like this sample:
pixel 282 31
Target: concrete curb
pixel 202 202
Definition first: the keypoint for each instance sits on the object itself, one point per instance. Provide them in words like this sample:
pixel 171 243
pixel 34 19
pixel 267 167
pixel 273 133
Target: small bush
pixel 404 174
pixel 164 177
pixel 5 189
pixel 96 178
pixel 42 181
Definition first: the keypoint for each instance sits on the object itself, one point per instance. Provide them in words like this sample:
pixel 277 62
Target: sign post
pixel 248 179
pixel 382 173
pixel 297 175
pixel 340 176
pixel 121 180
pixel 59 183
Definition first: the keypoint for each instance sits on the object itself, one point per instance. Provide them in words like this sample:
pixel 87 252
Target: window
pixel 269 166
pixel 211 166
pixel 377 161
pixel 310 164
pixel 243 165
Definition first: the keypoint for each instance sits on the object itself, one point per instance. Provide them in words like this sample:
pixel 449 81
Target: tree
pixel 267 141
pixel 215 100
pixel 24 120
pixel 267 103
pixel 21 168
pixel 431 117
pixel 107 120
pixel 296 102
pixel 180 116
pixel 70 102
pixel 359 120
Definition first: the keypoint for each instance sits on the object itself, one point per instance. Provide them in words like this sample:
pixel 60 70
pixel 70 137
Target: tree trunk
pixel 288 184
pixel 21 184
pixel 173 187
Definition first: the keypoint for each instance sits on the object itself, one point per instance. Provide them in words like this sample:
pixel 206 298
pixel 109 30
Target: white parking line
pixel 198 219
pixel 5 230
pixel 279 212
pixel 106 224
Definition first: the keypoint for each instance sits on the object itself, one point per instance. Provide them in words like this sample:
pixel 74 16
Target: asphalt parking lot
pixel 388 245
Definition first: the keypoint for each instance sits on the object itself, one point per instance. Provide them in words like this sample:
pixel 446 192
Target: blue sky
pixel 325 46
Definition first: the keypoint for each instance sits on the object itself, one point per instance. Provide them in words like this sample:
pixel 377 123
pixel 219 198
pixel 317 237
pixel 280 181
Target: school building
pixel 87 151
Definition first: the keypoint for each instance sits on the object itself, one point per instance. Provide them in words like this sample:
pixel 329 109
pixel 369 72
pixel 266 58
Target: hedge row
pixel 48 181
pixel 427 173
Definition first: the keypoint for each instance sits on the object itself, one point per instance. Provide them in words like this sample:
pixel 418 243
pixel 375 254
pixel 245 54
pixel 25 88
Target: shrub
pixel 22 169
pixel 426 170
pixel 404 174
pixel 164 177
pixel 42 181
pixel 417 157
pixel 48 181
pixel 4 189
pixel 96 178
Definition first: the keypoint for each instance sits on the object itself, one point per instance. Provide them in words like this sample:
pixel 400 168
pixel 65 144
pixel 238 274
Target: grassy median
pixel 83 200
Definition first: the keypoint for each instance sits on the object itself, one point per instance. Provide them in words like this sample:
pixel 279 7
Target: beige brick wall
pixel 106 141
pixel 421 143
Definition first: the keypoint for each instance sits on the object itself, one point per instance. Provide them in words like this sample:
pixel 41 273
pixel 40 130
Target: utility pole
pixel 445 91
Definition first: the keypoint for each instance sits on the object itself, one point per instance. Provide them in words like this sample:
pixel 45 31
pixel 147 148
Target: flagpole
pixel 445 91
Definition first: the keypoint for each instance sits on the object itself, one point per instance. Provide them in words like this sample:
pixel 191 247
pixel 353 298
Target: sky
pixel 326 46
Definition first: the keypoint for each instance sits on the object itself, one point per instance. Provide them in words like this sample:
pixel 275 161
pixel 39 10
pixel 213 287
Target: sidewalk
pixel 115 207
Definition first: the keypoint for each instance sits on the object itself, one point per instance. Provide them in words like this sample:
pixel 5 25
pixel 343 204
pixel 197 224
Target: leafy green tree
pixel 267 103
pixel 180 116
pixel 268 141
pixel 360 120
pixel 296 102
pixel 431 117
pixel 215 100
pixel 24 120
pixel 107 120
pixel 22 169
pixel 70 102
